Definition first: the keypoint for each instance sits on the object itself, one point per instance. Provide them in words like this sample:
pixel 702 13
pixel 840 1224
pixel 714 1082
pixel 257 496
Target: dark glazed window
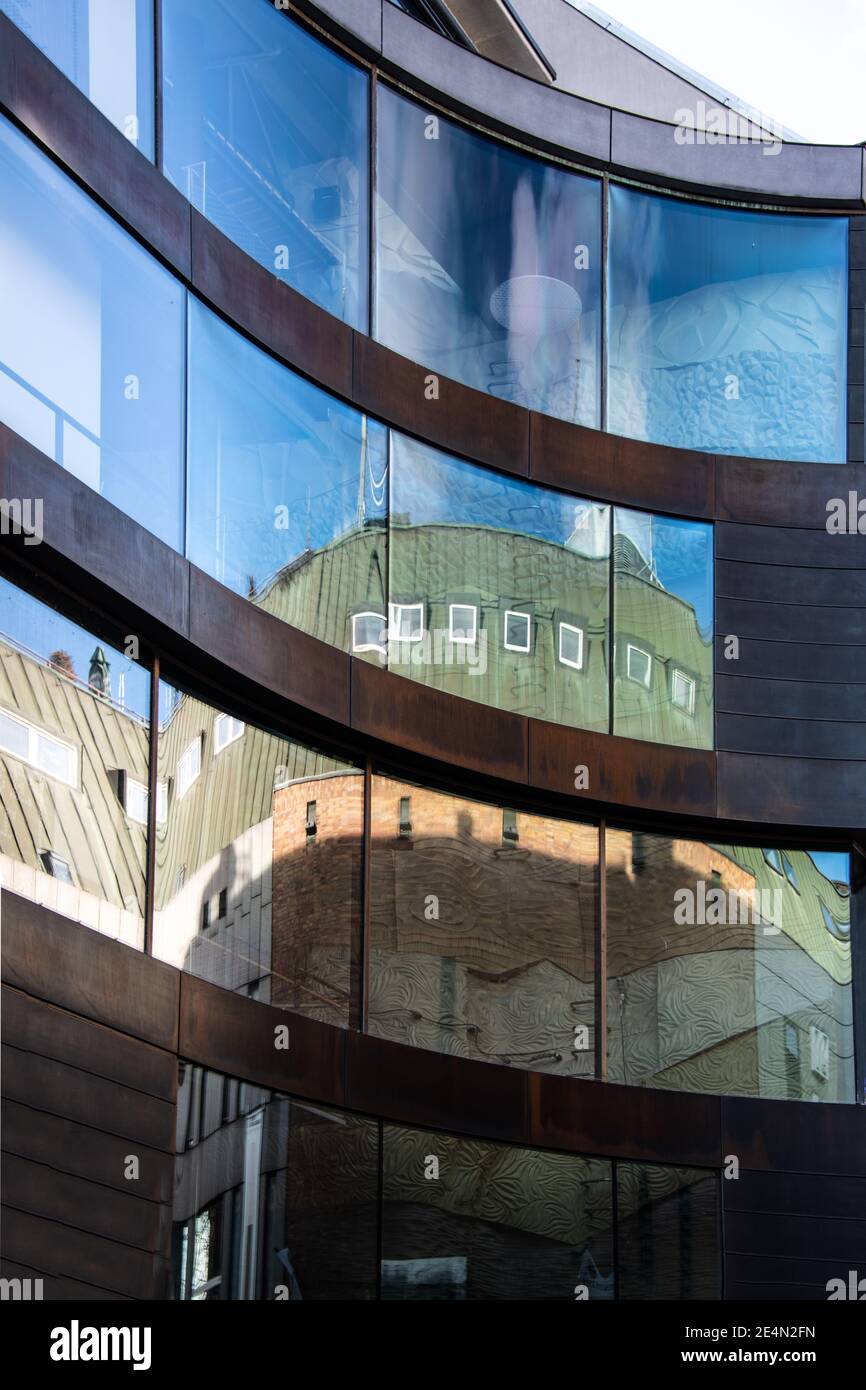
pixel 106 48
pixel 488 262
pixel 727 328
pixel 457 531
pixel 282 921
pixel 287 487
pixel 73 733
pixel 663 629
pixel 722 976
pixel 667 1233
pixel 482 931
pixel 465 1219
pixel 91 341
pixel 267 134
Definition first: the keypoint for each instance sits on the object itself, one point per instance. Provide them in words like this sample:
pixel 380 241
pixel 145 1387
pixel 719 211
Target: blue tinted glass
pixel 287 485
pixel 91 341
pixel 105 47
pixel 266 133
pixel 488 263
pixel 727 329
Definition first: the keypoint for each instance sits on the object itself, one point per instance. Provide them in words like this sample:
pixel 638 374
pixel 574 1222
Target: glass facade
pixel 488 262
pixel 266 132
pixel 482 930
pixel 729 968
pixel 74 746
pixel 91 341
pixel 106 48
pixel 726 328
pixel 667 1222
pixel 258 861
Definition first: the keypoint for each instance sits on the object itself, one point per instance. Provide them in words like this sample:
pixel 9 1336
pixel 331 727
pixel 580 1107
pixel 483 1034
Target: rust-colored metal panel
pixel 398 710
pixel 54 1249
pixel 792 791
pixel 73 1201
pixel 772 493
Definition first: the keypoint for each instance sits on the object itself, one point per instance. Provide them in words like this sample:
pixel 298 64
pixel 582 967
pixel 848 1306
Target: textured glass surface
pixel 663 629
pixel 668 1238
pixel 267 134
pixel 105 47
pixel 463 536
pixel 727 328
pixel 488 262
pixel 465 1219
pixel 724 977
pixel 91 341
pixel 287 486
pixel 274 1199
pixel 74 740
pixel 482 932
pixel 254 891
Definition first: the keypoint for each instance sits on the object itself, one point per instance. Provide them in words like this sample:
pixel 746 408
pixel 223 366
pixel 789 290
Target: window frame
pixel 181 790
pixel 677 672
pixel 34 733
pixel 580 664
pixel 221 718
pixel 463 640
pixel 381 648
pixel 636 680
pixel 395 611
pixel 512 646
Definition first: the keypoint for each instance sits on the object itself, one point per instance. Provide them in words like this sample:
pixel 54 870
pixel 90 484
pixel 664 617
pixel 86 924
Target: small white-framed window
pixel 369 632
pixel 188 767
pixel 571 645
pixel 407 622
pixel 226 730
pixel 683 691
pixel 44 751
pixel 638 665
pixel 135 798
pixel 518 631
pixel 462 623
pixel 55 866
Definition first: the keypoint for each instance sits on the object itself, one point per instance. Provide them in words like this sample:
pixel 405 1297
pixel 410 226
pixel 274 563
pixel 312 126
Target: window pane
pixel 266 133
pixel 464 1219
pixel 457 529
pixel 663 629
pixel 91 333
pixel 73 728
pixel 488 262
pixel 105 47
pixel 667 1233
pixel 722 976
pixel 479 948
pixel 287 486
pixel 237 840
pixel 727 328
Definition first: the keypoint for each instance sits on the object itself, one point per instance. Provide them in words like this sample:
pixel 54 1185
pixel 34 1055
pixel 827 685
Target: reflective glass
pixel 274 1199
pixel 667 1233
pixel 91 341
pixel 74 741
pixel 482 930
pixel 106 48
pixel 254 890
pixel 663 629
pixel 727 328
pixel 287 486
pixel 464 537
pixel 488 262
pixel 266 132
pixel 464 1219
pixel 724 977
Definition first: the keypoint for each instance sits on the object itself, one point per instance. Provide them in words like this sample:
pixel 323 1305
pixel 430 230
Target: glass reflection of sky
pixel 834 865
pixel 680 554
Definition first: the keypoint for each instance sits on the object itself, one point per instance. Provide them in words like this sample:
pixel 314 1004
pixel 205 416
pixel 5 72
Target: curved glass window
pixel 722 976
pixel 488 264
pixel 287 488
pixel 726 328
pixel 91 341
pixel 663 629
pixel 266 132
pixel 105 47
pixel 510 582
pixel 482 932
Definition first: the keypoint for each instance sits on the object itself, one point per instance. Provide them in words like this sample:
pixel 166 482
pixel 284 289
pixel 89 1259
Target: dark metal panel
pixel 56 1288
pixel 769 492
pixel 805 700
pixel 804 584
pixel 286 322
pixel 88 1206
pixel 796 1194
pixel 783 1137
pixel 482 427
pixel 77 969
pixel 436 725
pixel 792 622
pixel 812 792
pixel 629 772
pixel 790 661
pixel 779 545
pixel 67 123
pixel 771 1233
pixel 80 1255
pixel 793 738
